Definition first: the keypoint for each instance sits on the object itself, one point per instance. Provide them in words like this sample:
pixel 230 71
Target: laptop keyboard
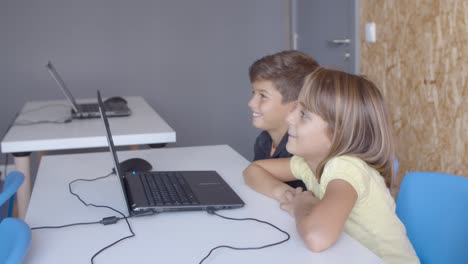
pixel 89 108
pixel 167 189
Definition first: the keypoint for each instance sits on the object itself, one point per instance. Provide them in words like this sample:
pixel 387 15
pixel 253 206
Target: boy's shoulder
pixel 262 147
pixel 263 138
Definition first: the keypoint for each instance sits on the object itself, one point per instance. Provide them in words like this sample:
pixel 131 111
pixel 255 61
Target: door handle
pixel 341 41
pixel 347 56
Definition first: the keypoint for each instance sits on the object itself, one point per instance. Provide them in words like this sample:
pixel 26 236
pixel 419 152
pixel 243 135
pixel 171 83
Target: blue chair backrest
pixel 15 235
pixel 12 182
pixel 434 209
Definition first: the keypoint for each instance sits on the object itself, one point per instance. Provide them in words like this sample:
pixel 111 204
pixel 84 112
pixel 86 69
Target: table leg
pixel 22 164
pixel 40 154
pixel 134 147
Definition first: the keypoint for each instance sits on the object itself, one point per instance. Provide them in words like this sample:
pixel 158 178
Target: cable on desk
pixel 31 122
pixel 62 226
pixel 247 248
pixel 42 107
pixel 111 219
pixel 105 221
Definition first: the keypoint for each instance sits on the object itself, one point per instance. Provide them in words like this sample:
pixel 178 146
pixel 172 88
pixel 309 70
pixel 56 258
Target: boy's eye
pixel 263 96
pixel 260 94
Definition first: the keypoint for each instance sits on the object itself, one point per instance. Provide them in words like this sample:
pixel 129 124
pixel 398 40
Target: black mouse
pixel 135 164
pixel 115 100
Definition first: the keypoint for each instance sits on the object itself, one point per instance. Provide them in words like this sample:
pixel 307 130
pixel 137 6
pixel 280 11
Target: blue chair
pixel 434 209
pixel 15 235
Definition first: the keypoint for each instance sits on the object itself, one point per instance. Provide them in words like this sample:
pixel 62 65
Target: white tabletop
pixel 143 126
pixel 182 237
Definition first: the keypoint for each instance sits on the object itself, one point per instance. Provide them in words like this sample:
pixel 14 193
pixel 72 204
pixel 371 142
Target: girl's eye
pixel 262 96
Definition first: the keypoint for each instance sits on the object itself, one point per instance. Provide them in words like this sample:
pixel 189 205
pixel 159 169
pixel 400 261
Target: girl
pixel 341 140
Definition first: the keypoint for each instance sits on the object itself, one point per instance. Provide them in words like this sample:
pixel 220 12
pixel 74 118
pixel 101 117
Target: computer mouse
pixel 115 100
pixel 135 164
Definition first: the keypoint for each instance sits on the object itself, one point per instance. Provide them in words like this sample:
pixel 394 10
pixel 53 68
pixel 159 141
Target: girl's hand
pixel 294 199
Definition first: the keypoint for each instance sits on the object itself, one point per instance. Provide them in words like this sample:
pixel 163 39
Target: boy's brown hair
pixel 286 70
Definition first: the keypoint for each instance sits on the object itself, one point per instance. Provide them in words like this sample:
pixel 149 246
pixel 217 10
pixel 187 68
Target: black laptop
pixel 86 110
pixel 162 191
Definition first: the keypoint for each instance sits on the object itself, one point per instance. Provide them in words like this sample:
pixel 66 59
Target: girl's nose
pixel 292 115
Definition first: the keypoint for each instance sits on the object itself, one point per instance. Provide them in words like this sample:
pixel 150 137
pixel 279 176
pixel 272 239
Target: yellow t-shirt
pixel 372 221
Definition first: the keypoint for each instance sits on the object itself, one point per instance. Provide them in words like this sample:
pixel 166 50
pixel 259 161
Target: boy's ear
pixel 291 105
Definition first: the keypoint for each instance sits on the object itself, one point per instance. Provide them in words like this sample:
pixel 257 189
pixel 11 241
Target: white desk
pixel 182 237
pixel 143 126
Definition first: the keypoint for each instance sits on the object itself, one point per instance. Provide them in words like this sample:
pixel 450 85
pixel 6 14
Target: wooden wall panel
pixel 420 61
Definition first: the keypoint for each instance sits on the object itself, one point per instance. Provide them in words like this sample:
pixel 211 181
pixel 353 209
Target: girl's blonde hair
pixel 356 114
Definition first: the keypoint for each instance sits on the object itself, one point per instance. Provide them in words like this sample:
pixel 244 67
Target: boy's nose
pixel 252 102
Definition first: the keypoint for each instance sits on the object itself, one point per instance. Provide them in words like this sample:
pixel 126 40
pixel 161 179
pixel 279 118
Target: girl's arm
pixel 321 222
pixel 268 177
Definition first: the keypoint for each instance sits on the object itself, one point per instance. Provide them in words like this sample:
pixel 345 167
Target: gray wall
pixel 189 59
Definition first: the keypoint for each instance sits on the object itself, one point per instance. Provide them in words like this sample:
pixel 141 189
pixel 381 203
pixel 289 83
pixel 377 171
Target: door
pixel 327 30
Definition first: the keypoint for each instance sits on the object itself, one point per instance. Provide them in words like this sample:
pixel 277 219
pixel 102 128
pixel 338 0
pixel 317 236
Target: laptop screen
pixel 112 148
pixel 61 84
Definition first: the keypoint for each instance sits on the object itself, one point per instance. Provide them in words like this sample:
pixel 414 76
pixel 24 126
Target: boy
pixel 276 82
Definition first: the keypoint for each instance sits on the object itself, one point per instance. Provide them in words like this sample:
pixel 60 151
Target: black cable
pixel 62 226
pixel 88 180
pixel 102 206
pixel 114 219
pixel 247 248
pixel 104 221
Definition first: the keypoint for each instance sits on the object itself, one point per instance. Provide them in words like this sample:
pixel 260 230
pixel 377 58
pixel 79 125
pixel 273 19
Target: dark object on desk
pixel 135 164
pixel 88 110
pixel 115 100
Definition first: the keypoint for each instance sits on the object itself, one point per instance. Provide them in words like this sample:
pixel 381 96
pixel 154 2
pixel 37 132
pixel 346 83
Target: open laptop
pixel 86 110
pixel 162 191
